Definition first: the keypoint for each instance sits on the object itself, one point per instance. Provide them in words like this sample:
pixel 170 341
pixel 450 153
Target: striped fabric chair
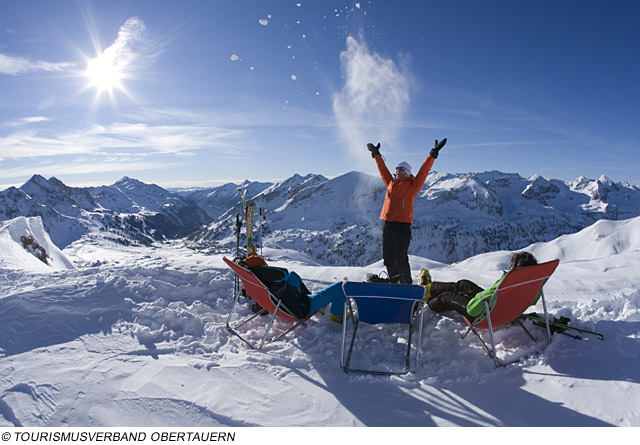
pixel 516 292
pixel 259 293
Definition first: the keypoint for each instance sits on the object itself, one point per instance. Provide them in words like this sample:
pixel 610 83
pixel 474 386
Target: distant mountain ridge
pixel 335 221
pixel 216 201
pixel 127 211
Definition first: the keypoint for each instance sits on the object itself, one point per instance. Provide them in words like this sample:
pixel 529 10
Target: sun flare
pixel 104 74
pixel 115 64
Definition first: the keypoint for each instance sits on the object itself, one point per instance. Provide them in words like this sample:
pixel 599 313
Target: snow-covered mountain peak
pixel 135 186
pixel 605 180
pixel 37 180
pixel 579 183
pixel 145 197
pixel 294 183
pixel 38 184
pixel 55 194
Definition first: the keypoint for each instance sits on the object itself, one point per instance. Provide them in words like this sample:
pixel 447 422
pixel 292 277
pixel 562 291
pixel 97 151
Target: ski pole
pixel 243 194
pixel 238 228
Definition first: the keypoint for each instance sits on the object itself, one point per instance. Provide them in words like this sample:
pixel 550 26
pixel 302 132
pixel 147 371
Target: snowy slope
pixel 26 245
pixel 601 240
pixel 135 336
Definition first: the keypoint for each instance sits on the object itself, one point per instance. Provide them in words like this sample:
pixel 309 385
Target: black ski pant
pixel 396 237
pixel 447 296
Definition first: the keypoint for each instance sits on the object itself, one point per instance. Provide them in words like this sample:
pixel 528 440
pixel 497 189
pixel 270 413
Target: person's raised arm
pixel 385 174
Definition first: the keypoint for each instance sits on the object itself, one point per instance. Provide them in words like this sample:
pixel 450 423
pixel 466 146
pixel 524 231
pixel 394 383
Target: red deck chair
pixel 259 293
pixel 517 291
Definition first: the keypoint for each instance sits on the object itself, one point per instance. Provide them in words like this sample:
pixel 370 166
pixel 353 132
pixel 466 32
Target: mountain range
pixel 335 221
pixel 128 211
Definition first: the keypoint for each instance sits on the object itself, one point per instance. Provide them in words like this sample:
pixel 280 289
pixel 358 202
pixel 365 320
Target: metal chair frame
pixel 415 317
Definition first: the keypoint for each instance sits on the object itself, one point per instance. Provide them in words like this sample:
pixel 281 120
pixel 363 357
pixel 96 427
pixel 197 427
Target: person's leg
pixel 440 303
pixel 449 301
pixel 402 241
pixel 439 287
pixel 330 295
pixel 468 288
pixel 389 249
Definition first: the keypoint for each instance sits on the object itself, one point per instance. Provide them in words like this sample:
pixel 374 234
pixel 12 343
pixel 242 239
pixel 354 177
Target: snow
pixel 16 255
pixel 135 336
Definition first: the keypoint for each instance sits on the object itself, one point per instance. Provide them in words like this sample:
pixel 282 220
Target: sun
pixel 104 73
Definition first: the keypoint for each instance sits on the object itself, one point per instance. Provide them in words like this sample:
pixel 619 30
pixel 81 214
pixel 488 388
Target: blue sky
pixel 200 93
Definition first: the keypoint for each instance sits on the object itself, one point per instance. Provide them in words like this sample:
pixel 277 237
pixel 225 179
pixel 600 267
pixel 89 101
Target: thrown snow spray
pixel 373 101
pixel 370 108
pixel 123 52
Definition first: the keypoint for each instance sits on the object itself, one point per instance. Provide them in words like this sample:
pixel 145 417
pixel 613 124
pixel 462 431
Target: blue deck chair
pixel 376 303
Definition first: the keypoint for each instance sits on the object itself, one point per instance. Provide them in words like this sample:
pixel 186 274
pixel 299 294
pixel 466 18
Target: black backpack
pixel 286 286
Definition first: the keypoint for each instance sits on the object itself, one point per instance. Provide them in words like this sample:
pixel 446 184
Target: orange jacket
pixel 398 201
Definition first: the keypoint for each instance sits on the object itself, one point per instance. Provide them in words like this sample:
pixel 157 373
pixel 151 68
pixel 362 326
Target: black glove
pixel 374 149
pixel 436 148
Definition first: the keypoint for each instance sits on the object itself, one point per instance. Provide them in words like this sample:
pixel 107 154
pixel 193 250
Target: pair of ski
pixel 560 326
pixel 249 216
